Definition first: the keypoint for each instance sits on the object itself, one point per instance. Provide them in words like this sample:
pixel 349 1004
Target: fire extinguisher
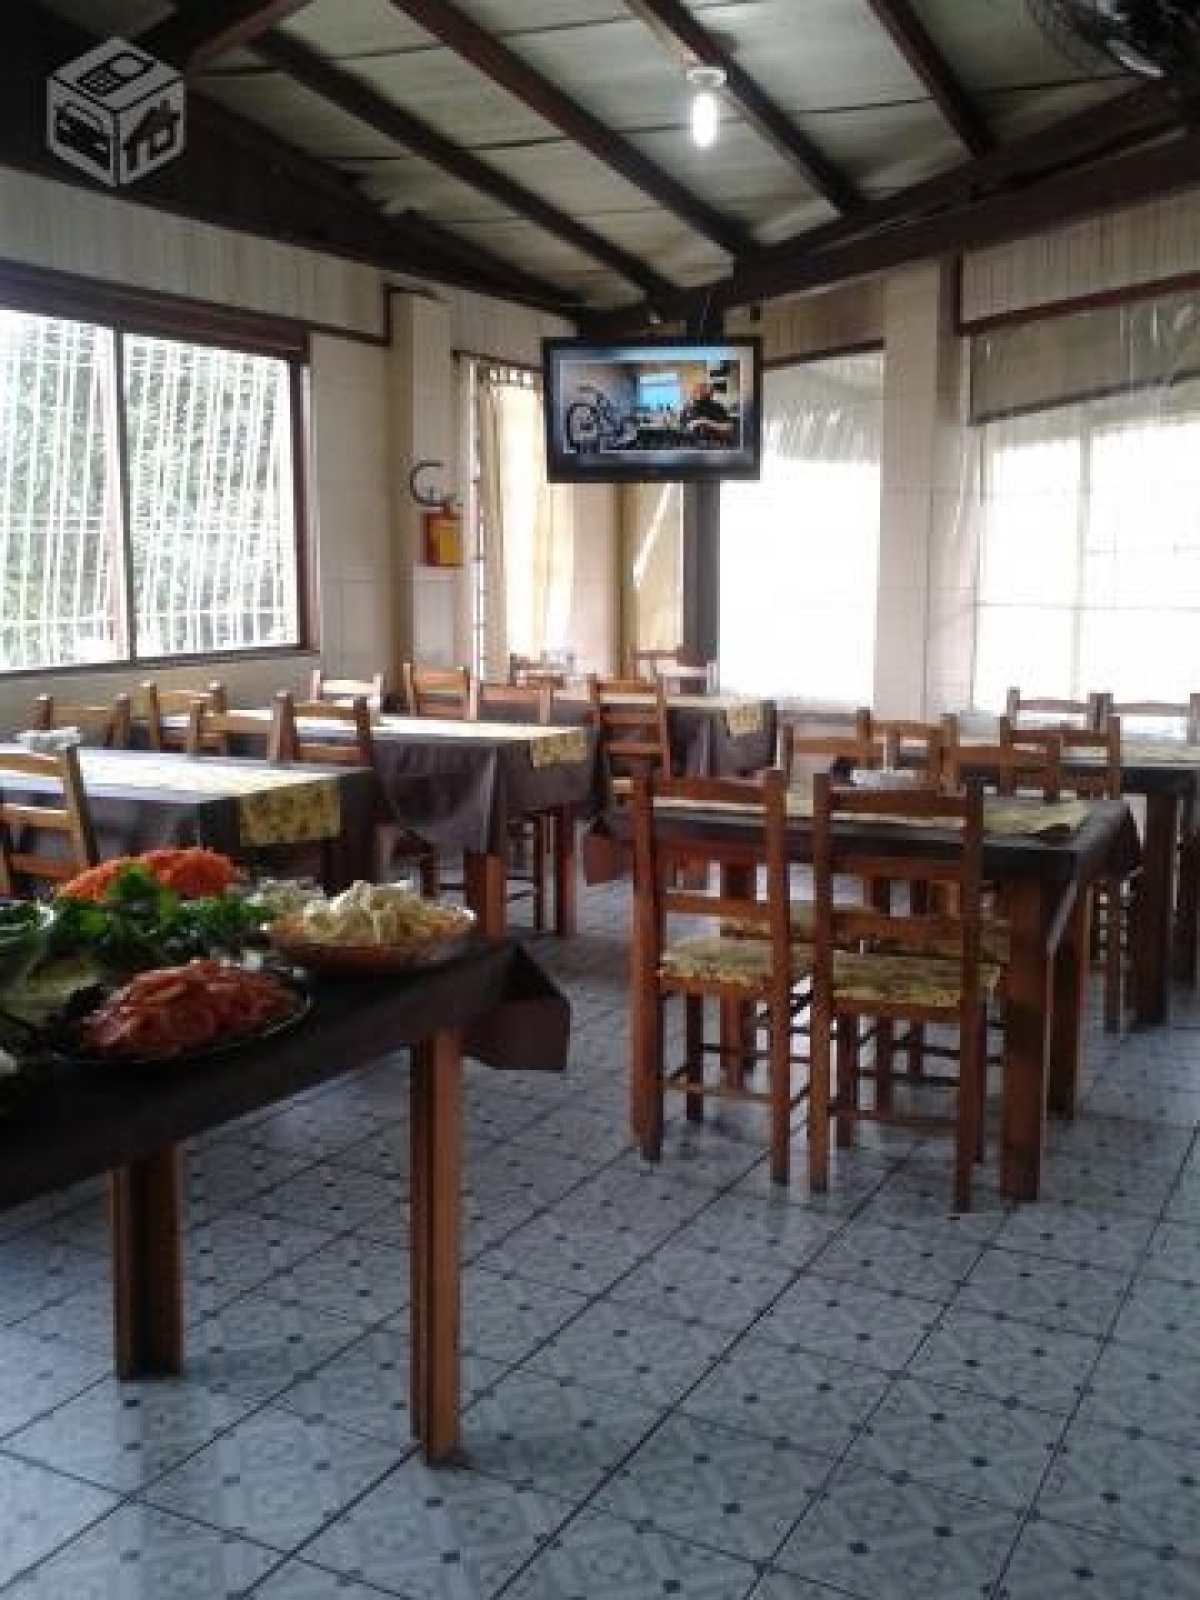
pixel 441 524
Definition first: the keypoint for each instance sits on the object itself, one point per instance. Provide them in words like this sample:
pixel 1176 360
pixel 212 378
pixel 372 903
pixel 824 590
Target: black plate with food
pixel 174 1016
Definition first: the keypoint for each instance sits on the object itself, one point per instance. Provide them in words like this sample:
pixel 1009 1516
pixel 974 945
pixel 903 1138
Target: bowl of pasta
pixel 372 927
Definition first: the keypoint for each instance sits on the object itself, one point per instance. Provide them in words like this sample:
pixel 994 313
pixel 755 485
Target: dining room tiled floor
pixel 681 1380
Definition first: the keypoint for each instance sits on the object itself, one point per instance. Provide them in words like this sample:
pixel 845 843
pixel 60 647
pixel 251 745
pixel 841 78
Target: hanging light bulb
pixel 705 81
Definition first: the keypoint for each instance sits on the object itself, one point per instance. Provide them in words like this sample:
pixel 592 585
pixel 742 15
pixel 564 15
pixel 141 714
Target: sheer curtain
pixel 800 547
pixel 1090 556
pixel 527 527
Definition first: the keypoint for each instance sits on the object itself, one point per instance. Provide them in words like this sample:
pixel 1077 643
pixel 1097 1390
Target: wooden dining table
pixel 79 1120
pixel 712 735
pixel 1041 858
pixel 146 799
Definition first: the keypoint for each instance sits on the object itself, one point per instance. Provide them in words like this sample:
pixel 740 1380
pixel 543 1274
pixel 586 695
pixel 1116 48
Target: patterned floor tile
pixel 41 1510
pixel 716 1286
pixel 992 1450
pixel 851 1321
pixel 625 1349
pixel 505 1317
pixel 872 1537
pixel 139 1552
pixel 37 1272
pixel 761 1225
pixel 438 1535
pixel 1133 1388
pixel 366 1388
pixel 1140 1489
pixel 1057 1563
pixel 1174 1253
pixel 916 1196
pixel 1112 1239
pixel 124 1435
pixel 598 1557
pixel 363 1279
pixel 785 1391
pixel 38 1373
pixel 236 1251
pixel 740 1493
pixel 298 1580
pixel 1016 1361
pixel 1161 1315
pixel 256 1347
pixel 510 1169
pixel 558 1437
pixel 632 1196
pixel 334 1198
pixel 274 1478
pixel 714 1154
pixel 917 1261
pixel 787 1586
pixel 566 1255
pixel 577 1132
pixel 1059 1294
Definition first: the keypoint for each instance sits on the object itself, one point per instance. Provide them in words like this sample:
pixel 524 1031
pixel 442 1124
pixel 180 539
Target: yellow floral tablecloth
pixel 280 806
pixel 743 717
pixel 1032 819
pixel 548 747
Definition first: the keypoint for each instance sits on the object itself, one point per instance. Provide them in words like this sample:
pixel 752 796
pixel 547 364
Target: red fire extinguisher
pixel 442 523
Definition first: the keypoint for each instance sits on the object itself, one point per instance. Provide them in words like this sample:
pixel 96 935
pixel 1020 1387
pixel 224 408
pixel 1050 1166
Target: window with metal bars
pixel 147 496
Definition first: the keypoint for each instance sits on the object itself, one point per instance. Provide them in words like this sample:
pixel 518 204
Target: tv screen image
pixel 650 410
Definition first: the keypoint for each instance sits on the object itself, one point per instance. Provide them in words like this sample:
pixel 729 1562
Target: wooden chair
pixel 45 837
pixel 225 733
pixel 819 743
pixel 1053 711
pixel 1017 761
pixel 1153 720
pixel 438 692
pixel 532 671
pixel 678 879
pixel 166 711
pixel 680 670
pixel 630 717
pixel 107 724
pixel 532 834
pixel 910 744
pixel 340 734
pixel 371 689
pixel 894 960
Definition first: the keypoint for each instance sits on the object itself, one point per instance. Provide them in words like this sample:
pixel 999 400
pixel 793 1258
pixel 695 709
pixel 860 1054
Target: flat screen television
pixel 652 410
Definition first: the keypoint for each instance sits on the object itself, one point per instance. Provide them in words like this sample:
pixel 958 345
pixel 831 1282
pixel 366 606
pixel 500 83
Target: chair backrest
pixel 166 711
pixel 1091 760
pixel 912 744
pixel 1017 761
pixel 808 745
pixel 438 692
pixel 106 724
pixel 371 689
pixel 632 733
pixel 512 702
pixel 670 882
pixel 533 671
pixel 681 670
pixel 45 836
pixel 1168 720
pixel 332 733
pixel 925 917
pixel 1054 711
pixel 229 733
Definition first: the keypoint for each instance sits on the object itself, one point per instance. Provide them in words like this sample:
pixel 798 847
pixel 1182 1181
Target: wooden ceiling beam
pixel 461 34
pixel 351 95
pixel 916 45
pixel 675 26
pixel 197 34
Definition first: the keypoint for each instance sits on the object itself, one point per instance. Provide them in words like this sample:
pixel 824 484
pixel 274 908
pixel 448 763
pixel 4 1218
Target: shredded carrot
pixel 193 873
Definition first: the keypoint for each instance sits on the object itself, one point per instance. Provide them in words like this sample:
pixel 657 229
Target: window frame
pixel 123 311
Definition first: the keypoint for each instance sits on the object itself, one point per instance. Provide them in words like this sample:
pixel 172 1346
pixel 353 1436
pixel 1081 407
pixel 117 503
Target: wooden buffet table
pixel 493 1002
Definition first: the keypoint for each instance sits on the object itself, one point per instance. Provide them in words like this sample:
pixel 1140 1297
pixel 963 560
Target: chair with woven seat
pixel 346 690
pixel 630 717
pixel 106 724
pixel 681 879
pixel 339 734
pixel 438 692
pixel 46 834
pixel 165 712
pixel 911 955
pixel 531 835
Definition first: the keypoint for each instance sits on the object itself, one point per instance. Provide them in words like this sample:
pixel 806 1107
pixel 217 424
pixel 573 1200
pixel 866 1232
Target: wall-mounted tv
pixel 652 410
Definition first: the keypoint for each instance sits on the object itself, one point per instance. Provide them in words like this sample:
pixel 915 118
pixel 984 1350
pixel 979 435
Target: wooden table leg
pixel 147 1270
pixel 436 1145
pixel 1151 953
pixel 1029 907
pixel 565 872
pixel 1070 972
pixel 487 890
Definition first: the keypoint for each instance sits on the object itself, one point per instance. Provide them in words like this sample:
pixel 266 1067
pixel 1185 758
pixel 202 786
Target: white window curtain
pixel 1090 553
pixel 800 547
pixel 526 525
pixel 655 512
